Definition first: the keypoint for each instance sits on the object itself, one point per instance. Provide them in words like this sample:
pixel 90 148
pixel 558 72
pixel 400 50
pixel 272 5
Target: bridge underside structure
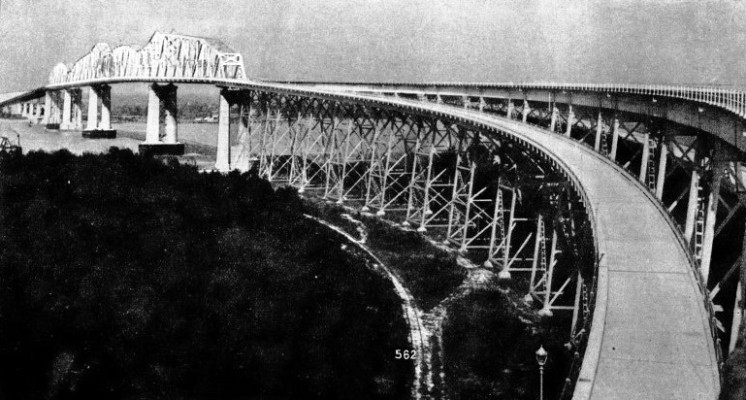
pixel 459 162
pixel 685 144
pixel 650 298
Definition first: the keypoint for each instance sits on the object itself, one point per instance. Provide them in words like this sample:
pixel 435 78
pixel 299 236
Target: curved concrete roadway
pixel 651 336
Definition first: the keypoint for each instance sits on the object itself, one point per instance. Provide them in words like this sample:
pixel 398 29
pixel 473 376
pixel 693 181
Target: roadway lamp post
pixel 541 359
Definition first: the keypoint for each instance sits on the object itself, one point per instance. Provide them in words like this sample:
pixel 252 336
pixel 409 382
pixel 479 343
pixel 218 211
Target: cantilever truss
pixel 166 55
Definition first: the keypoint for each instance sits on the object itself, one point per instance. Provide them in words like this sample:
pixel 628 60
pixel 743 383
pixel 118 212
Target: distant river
pixel 205 135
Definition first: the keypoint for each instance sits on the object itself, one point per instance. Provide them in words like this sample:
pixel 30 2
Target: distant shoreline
pixel 190 146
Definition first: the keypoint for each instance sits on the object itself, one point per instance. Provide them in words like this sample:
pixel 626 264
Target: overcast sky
pixel 375 40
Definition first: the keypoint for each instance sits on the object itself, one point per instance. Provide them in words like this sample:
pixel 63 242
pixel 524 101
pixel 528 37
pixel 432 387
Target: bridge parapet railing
pixel 732 99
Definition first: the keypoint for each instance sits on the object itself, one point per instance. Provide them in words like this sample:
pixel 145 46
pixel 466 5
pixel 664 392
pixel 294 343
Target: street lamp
pixel 541 359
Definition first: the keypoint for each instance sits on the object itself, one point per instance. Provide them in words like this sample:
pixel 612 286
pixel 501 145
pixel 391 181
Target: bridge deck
pixel 654 341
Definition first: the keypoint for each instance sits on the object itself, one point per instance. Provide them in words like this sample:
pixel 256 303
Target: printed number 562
pixel 405 354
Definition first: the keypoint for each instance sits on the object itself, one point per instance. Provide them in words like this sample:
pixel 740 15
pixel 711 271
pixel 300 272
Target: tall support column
pixel 152 131
pixel 570 120
pixel 614 139
pixel 546 310
pixel 599 131
pixel 692 206
pixel 102 129
pixel 526 110
pixel 737 317
pixel 66 123
pixel 105 94
pixel 164 96
pixel 171 116
pixel 645 157
pixel 710 219
pixel 56 117
pixel 482 104
pixel 47 107
pixel 553 122
pixel 511 108
pixel 662 160
pixel 505 271
pixel 576 304
pixel 77 111
pixel 37 112
pixel 222 161
pixel 241 159
pixel 740 302
pixel 92 109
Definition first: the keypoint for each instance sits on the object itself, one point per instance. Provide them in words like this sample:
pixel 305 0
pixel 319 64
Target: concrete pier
pixel 37 113
pixel 222 160
pixel 105 95
pixel 72 115
pixel 171 113
pixel 47 107
pixel 92 123
pixel 96 129
pixel 162 97
pixel 52 113
pixel 77 117
pixel 67 108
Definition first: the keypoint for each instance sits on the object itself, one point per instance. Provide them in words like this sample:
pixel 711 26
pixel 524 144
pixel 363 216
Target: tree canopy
pixel 127 277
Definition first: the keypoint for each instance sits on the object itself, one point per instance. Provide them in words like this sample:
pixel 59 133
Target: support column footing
pixel 161 149
pixel 100 133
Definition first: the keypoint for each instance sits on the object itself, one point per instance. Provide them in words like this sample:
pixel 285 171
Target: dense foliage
pixel 490 345
pixel 430 274
pixel 734 374
pixel 124 277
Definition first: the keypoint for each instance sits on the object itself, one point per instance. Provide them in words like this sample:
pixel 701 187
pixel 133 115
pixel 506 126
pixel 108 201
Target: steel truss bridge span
pixel 651 335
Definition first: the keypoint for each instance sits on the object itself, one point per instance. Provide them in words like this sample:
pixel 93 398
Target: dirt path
pixel 412 314
pixel 426 328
